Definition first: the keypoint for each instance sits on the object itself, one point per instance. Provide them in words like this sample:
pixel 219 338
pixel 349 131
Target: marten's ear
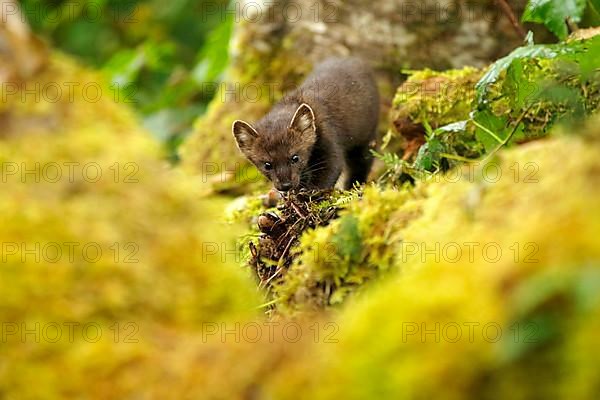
pixel 304 119
pixel 244 134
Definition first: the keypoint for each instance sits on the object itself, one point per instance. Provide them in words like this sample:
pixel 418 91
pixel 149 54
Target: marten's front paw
pixel 271 199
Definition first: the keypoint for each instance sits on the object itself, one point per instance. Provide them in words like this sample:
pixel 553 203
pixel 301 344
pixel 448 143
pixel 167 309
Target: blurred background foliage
pixel 561 15
pixel 163 58
pixel 166 59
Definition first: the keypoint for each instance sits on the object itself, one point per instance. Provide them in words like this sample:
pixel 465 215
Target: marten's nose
pixel 285 186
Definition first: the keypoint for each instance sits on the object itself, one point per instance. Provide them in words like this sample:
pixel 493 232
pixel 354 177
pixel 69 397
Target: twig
pixel 281 261
pixel 280 264
pixel 572 25
pixel 508 11
pixel 458 158
pixel 287 233
pixel 297 209
pixel 269 303
pixel 273 276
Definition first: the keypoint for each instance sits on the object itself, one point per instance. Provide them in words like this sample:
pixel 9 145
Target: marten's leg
pixel 327 174
pixel 324 168
pixel 358 160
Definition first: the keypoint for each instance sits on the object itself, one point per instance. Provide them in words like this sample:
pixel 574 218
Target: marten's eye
pixel 295 159
pixel 268 166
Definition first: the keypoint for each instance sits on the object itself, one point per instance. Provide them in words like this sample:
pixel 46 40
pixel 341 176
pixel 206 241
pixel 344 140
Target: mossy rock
pixel 429 99
pixel 442 119
pixel 334 262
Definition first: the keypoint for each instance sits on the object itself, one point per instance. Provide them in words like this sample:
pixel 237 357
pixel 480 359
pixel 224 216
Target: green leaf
pixel 348 240
pixel 554 13
pixel 214 55
pixel 490 129
pixel 429 155
pixel 569 98
pixel 460 126
pixel 590 64
pixel 534 51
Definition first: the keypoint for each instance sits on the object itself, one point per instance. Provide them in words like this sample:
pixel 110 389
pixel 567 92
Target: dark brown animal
pixel 316 131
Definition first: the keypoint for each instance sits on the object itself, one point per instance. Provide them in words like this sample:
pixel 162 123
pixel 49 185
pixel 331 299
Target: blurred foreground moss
pixel 112 263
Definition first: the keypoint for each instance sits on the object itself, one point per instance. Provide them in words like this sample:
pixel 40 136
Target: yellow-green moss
pixel 165 267
pixel 433 98
pixel 336 260
pixel 542 287
pixel 64 96
pixel 545 202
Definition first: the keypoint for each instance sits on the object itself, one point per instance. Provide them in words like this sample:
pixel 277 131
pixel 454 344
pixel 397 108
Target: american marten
pixel 324 126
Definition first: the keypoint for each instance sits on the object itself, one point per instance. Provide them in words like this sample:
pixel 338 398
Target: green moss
pixel 398 338
pixel 337 260
pixel 384 268
pixel 432 98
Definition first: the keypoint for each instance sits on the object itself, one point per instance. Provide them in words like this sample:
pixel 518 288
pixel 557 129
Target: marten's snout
pixel 284 187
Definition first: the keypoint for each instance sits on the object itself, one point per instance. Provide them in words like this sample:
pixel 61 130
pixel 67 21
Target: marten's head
pixel 280 145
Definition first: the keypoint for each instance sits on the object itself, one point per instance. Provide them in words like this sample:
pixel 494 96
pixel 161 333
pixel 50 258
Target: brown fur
pixel 324 126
